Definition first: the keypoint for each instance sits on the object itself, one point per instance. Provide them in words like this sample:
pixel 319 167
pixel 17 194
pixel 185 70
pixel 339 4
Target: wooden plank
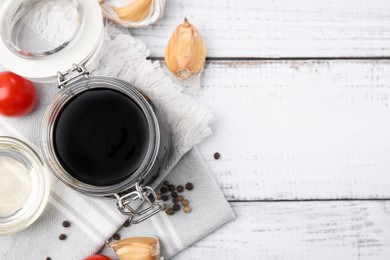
pixel 276 28
pixel 299 129
pixel 300 230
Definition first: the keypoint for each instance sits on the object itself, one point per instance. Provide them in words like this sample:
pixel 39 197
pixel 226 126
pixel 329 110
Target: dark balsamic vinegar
pixel 101 137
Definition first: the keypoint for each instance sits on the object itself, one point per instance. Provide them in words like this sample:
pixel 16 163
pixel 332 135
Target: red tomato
pixel 97 257
pixel 17 95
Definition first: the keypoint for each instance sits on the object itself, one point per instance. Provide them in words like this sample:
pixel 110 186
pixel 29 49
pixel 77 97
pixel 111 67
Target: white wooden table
pixel 302 94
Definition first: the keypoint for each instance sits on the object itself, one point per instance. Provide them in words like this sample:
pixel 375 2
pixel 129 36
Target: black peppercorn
pixel 175 200
pixel 166 183
pixel 164 190
pixel 48 258
pixel 127 223
pixel 165 198
pixel 171 187
pixel 217 156
pixel 189 186
pixel 174 194
pixel 62 237
pixel 180 188
pixel 116 236
pixel 170 211
pixel 66 224
pixel 176 207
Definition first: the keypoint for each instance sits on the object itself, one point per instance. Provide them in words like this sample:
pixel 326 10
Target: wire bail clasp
pixel 76 72
pixel 144 194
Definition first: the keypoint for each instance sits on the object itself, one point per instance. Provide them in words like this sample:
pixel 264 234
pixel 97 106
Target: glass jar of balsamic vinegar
pixel 100 135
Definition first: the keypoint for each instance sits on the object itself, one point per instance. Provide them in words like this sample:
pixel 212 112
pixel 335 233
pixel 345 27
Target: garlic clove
pixel 137 248
pixel 137 14
pixel 135 11
pixel 185 53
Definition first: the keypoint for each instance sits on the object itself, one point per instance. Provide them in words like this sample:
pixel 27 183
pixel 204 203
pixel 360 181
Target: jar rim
pixel 14 16
pixel 40 185
pixel 49 121
pixel 79 50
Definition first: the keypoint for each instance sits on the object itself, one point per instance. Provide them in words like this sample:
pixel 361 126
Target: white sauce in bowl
pixel 15 186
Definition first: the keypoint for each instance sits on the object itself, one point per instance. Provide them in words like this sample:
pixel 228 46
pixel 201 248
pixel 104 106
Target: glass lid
pixel 38 38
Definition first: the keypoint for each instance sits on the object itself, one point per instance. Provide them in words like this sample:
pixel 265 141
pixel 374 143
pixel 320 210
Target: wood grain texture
pixel 300 230
pixel 278 28
pixel 299 129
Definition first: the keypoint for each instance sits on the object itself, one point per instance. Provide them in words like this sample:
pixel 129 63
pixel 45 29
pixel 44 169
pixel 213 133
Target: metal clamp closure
pixel 75 73
pixel 144 194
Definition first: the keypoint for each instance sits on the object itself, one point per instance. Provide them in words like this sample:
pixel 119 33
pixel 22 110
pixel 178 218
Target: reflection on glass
pixel 42 27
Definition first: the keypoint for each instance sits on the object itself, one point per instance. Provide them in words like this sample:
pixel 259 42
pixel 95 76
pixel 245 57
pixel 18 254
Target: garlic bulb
pixel 185 54
pixel 137 248
pixel 136 14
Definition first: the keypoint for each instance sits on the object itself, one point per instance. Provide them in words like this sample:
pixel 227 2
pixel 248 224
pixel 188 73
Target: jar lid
pixel 38 38
pixel 24 185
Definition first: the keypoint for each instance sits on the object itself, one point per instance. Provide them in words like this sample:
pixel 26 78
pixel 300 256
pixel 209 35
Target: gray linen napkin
pixel 95 220
pixel 209 210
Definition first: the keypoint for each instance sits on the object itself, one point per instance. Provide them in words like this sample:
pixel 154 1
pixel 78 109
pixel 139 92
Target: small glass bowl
pixel 33 206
